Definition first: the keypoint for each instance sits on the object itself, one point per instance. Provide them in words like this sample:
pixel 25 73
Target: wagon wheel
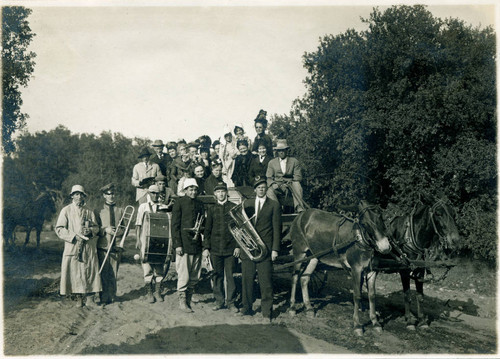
pixel 317 282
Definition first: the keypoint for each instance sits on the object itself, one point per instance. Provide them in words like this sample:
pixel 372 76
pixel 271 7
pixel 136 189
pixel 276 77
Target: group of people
pixel 171 183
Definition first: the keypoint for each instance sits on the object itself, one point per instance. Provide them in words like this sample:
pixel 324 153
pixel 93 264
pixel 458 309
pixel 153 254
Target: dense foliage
pixel 58 159
pixel 17 66
pixel 405 108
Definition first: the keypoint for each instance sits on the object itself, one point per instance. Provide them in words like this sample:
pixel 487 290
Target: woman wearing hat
pixel 239 134
pixel 260 128
pixel 242 165
pixel 77 226
pixel 227 154
pixel 141 173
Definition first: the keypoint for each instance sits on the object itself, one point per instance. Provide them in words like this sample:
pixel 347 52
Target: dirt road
pixel 461 310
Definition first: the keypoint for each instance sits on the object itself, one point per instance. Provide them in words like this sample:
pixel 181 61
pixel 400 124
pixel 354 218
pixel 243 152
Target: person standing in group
pixel 219 243
pixel 143 175
pixel 266 219
pixel 160 158
pixel 187 219
pixel 153 272
pixel 165 198
pixel 108 218
pixel 285 173
pixel 199 176
pixel 214 178
pixel 239 135
pixel 77 226
pixel 228 153
pixel 262 137
pixel 242 165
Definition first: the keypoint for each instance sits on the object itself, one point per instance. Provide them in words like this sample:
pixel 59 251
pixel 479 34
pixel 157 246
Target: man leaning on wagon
pixel 77 226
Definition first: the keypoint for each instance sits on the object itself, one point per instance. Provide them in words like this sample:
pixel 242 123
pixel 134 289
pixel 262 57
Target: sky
pixel 168 72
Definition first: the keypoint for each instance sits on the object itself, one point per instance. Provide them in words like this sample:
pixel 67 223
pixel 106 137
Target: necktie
pixel 259 207
pixel 112 220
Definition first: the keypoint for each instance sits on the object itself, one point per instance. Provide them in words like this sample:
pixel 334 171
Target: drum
pixel 156 235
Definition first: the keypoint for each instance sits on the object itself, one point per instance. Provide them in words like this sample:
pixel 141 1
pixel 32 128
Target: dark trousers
pixel 223 265
pixel 264 270
pixel 109 274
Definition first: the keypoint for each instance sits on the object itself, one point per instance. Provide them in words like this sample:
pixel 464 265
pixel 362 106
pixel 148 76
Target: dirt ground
pixel 38 321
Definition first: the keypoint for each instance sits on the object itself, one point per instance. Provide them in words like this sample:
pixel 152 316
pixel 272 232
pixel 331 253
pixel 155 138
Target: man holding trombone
pixel 108 217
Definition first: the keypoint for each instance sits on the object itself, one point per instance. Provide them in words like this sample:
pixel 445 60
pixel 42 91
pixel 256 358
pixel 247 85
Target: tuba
pixel 245 234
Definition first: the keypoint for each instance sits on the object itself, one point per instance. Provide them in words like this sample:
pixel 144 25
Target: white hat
pixel 227 130
pixel 188 182
pixel 77 188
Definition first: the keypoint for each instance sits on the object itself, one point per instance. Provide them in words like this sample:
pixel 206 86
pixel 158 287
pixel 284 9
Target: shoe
pixel 149 293
pixel 218 307
pixel 183 303
pixel 157 293
pixel 232 308
pixel 79 301
pixel 90 301
pixel 195 298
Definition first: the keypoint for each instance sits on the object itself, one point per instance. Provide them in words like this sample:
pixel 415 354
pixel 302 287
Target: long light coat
pixel 78 277
pixel 140 172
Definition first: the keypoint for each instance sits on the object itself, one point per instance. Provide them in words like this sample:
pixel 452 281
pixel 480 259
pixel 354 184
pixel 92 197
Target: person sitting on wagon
pixel 108 218
pixel 214 178
pixel 258 165
pixel 187 218
pixel 153 273
pixel 219 243
pixel 262 137
pixel 241 165
pixel 284 173
pixel 162 159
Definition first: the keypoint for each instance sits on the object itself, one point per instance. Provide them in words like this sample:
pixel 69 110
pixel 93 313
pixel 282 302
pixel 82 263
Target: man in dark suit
pixel 284 173
pixel 266 219
pixel 162 159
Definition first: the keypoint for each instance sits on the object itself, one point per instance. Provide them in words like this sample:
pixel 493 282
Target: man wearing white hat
pixel 187 219
pixel 153 273
pixel 284 173
pixel 77 226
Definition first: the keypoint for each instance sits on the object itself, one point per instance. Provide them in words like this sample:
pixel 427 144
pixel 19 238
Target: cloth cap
pixel 160 178
pixel 192 144
pixel 77 188
pixel 158 143
pixel 153 188
pixel 108 187
pixel 190 182
pixel 220 185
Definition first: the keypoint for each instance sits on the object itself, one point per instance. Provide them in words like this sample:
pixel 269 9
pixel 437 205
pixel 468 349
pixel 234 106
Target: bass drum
pixel 156 235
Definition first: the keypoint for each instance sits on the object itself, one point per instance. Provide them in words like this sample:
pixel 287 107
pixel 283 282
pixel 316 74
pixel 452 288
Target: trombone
pixel 123 224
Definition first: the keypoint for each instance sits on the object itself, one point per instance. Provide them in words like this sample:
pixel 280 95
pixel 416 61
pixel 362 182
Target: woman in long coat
pixel 77 226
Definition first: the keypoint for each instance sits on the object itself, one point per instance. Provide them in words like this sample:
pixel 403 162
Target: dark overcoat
pixel 184 214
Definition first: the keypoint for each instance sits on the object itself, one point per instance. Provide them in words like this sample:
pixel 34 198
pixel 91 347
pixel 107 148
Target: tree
pixel 405 108
pixel 17 66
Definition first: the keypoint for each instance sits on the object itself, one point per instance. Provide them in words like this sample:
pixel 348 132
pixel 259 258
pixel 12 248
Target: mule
pixel 427 232
pixel 30 214
pixel 353 243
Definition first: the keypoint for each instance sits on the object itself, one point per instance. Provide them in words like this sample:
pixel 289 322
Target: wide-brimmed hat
pixel 77 188
pixel 153 188
pixel 172 145
pixel 261 117
pixel 190 182
pixel 158 143
pixel 281 145
pixel 108 187
pixel 220 185
pixel 144 153
pixel 259 180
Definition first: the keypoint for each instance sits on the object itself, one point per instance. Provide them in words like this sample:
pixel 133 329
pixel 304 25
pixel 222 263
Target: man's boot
pixel 149 296
pixel 183 303
pixel 157 293
pixel 79 300
pixel 193 297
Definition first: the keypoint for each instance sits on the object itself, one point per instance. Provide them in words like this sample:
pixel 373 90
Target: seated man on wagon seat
pixel 283 174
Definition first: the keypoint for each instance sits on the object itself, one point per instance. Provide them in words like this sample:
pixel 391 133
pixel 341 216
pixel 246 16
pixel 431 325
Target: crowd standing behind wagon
pixel 169 178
